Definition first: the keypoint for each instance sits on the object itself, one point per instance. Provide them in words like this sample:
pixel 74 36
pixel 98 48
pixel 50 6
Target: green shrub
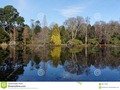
pixel 93 41
pixel 115 41
pixel 74 42
pixel 75 49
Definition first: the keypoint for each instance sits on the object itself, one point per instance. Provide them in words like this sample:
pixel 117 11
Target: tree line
pixel 74 31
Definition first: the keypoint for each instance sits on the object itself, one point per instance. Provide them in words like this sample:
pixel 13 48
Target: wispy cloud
pixel 21 5
pixel 71 11
pixel 22 2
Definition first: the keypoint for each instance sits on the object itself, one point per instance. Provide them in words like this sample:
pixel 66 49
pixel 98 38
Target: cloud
pixel 21 5
pixel 22 2
pixel 71 11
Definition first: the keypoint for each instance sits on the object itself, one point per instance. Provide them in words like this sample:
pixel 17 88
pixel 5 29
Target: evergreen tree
pixel 55 36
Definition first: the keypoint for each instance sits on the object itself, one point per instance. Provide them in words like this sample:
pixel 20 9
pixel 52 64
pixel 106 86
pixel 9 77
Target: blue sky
pixel 57 11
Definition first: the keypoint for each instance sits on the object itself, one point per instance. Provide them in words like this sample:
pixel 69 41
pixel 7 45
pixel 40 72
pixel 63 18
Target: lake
pixel 60 64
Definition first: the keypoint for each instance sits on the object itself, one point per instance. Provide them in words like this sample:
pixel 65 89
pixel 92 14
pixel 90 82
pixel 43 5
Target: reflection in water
pixel 59 64
pixel 55 55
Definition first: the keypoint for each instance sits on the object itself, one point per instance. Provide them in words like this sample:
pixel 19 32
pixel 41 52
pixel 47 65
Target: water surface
pixel 60 64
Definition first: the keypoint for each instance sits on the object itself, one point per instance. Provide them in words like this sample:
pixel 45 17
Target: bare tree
pixel 32 26
pixel 43 37
pixel 74 25
pixel 25 34
pixel 44 21
pixel 87 21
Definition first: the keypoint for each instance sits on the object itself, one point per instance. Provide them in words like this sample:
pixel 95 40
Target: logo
pixel 3 85
pixel 41 72
pixel 97 72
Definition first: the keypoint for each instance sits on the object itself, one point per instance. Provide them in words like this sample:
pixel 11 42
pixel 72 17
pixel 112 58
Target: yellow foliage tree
pixel 55 36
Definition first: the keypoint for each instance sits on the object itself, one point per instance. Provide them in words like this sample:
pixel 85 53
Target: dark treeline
pixel 74 31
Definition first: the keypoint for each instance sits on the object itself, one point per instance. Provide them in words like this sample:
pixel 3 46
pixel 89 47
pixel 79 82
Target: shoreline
pixel 62 45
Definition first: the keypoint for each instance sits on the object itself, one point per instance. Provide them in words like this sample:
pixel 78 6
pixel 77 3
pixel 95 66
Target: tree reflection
pixel 55 55
pixel 9 65
pixel 74 60
pixel 99 57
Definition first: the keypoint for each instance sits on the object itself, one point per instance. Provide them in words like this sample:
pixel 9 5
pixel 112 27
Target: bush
pixel 74 42
pixel 115 41
pixel 93 41
pixel 75 49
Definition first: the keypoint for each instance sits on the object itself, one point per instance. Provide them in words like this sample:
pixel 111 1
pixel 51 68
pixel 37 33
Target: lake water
pixel 60 64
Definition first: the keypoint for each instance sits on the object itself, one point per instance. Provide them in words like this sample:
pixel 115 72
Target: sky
pixel 57 11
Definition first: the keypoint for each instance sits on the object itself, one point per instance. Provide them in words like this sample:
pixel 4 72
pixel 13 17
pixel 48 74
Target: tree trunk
pixel 86 39
pixel 14 32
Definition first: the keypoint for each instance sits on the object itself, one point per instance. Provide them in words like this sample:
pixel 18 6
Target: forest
pixel 75 31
